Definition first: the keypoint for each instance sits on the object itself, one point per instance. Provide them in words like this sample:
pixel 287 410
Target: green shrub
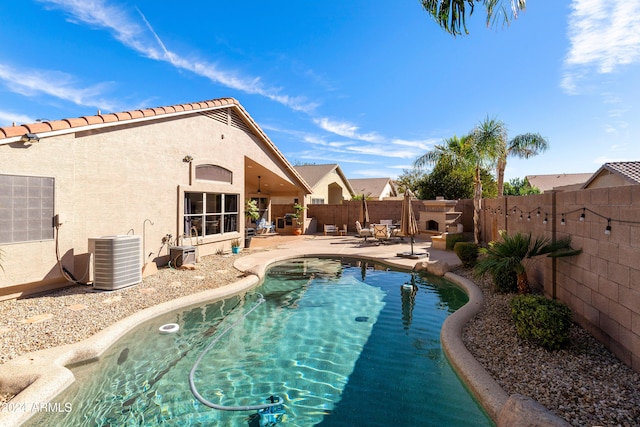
pixel 454 238
pixel 540 320
pixel 505 281
pixel 467 252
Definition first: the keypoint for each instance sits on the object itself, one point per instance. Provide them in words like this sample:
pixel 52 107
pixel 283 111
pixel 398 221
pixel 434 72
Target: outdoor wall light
pixel 187 159
pixel 562 221
pixel 30 138
pixel 582 215
pixel 607 230
pixel 545 219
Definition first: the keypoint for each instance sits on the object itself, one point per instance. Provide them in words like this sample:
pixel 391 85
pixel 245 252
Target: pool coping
pixel 38 377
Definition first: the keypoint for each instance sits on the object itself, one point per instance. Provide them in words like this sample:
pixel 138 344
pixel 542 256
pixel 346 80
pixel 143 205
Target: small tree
pixel 297 214
pixel 519 187
pixel 251 210
pixel 515 253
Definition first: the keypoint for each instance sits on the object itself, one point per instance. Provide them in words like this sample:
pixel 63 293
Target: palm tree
pixel 516 252
pixel 451 14
pixel 522 146
pixel 471 153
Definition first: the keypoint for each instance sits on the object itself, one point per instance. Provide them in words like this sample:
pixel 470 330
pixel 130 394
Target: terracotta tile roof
pixel 70 123
pixel 107 119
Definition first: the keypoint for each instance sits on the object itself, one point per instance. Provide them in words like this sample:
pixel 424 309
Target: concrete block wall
pixel 601 285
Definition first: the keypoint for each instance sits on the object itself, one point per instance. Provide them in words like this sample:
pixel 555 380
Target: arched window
pixel 213 173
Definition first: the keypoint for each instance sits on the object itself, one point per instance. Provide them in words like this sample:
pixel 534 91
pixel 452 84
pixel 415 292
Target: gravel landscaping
pixel 582 383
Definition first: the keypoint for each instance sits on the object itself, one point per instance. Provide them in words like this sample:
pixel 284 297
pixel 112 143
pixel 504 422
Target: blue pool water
pixel 343 342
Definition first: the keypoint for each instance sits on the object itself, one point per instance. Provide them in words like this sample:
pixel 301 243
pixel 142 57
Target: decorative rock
pixel 437 268
pixel 39 318
pixel 522 411
pixel 187 267
pixel 112 299
pixel 149 269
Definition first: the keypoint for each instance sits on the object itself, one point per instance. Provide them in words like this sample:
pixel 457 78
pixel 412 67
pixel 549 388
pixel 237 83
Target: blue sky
pixel 370 84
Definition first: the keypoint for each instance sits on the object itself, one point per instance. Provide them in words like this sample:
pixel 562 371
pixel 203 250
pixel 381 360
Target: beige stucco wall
pixel 109 181
pixel 608 179
pixel 331 188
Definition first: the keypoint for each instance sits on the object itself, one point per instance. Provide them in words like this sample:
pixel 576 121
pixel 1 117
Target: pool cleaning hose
pixel 274 401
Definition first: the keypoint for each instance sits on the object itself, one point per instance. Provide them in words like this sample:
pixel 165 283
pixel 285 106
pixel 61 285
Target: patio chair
pixel 265 227
pixel 363 232
pixel 381 232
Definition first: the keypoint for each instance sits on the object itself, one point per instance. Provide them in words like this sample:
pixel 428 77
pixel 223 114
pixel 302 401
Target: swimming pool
pixel 343 342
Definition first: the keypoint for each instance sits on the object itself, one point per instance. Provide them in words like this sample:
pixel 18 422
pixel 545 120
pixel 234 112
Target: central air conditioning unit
pixel 117 261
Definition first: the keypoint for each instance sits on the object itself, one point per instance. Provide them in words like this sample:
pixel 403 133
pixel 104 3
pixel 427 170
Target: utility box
pixel 182 255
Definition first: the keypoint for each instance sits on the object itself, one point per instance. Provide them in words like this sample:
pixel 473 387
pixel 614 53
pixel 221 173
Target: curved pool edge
pixel 38 377
pixel 477 379
pixel 505 410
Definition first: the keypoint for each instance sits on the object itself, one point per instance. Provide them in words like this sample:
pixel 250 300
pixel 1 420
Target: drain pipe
pixel 144 240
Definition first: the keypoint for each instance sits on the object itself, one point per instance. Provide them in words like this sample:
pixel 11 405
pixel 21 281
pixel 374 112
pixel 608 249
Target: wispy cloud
pixel 144 40
pixel 603 35
pixel 8 118
pixel 344 128
pixel 54 83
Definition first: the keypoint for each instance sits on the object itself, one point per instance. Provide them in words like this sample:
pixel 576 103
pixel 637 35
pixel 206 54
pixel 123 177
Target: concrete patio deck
pixel 267 249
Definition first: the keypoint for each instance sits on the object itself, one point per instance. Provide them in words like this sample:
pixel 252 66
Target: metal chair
pixel 381 232
pixel 363 232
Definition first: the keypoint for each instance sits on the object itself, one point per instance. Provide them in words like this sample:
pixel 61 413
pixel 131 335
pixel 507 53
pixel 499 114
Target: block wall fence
pixel 601 285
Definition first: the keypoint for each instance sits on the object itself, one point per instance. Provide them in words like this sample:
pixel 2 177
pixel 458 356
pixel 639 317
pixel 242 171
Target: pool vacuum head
pixel 272 415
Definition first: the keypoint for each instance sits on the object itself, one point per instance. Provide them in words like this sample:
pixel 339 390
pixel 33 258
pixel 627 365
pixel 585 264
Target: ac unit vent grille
pixel 117 261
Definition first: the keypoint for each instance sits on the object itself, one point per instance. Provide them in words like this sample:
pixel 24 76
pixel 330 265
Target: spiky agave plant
pixel 515 253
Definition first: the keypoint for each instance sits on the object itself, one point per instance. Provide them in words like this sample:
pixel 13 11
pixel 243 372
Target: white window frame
pixel 223 221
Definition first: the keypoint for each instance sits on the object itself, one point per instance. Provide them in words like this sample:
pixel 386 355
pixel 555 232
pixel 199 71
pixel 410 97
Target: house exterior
pixel 615 174
pixel 177 175
pixel 328 184
pixel 374 188
pixel 558 181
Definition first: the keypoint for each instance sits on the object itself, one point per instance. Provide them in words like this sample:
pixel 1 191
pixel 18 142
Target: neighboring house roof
pixel 313 174
pixel 10 134
pixel 546 183
pixel 373 187
pixel 629 171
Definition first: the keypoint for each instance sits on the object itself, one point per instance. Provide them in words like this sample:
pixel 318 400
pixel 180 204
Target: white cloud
pixel 603 35
pixel 147 42
pixel 54 83
pixel 7 118
pixel 346 129
pixel 422 145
